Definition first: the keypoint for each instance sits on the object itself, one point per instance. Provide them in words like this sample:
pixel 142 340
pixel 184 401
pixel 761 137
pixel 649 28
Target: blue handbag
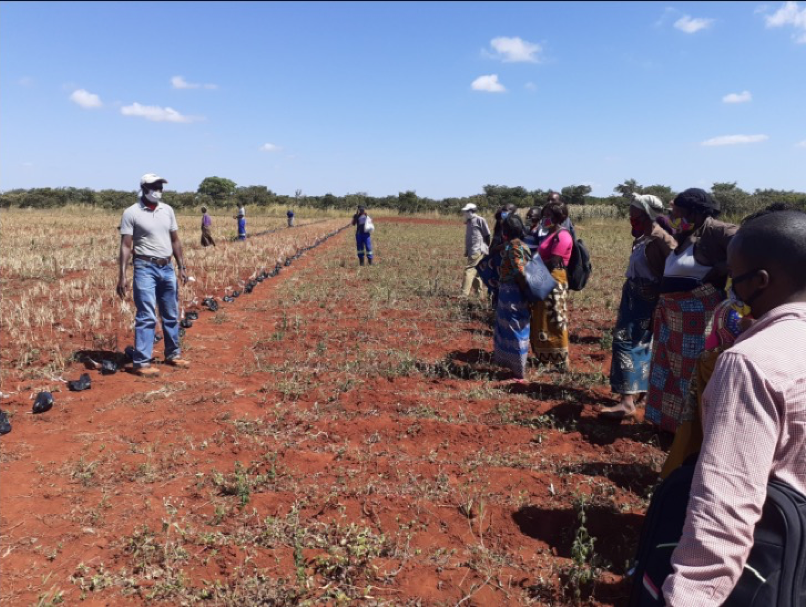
pixel 538 279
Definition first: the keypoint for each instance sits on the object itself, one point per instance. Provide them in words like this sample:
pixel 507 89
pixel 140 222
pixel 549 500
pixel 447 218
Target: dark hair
pixel 699 201
pixel 533 212
pixel 557 212
pixel 774 207
pixel 513 227
pixel 776 240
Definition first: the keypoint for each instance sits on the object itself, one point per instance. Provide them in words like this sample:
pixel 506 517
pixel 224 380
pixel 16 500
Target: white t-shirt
pixel 150 230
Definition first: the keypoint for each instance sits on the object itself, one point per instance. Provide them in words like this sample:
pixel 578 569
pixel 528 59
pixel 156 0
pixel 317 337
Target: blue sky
pixel 441 98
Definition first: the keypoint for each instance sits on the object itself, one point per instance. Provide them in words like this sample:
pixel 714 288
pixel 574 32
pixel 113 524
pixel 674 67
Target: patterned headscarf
pixel 648 203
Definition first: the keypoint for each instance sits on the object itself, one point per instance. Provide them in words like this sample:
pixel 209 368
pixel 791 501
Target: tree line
pixel 219 192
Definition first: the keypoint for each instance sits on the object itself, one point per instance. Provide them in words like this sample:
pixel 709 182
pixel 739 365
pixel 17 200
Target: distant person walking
pixel 363 230
pixel 241 217
pixel 207 235
pixel 148 230
pixel 477 243
pixel 290 215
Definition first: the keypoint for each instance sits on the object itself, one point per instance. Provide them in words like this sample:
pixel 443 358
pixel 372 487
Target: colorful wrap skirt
pixel 549 331
pixel 632 338
pixel 511 333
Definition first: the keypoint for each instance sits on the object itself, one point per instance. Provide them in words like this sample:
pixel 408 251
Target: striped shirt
pixel 754 429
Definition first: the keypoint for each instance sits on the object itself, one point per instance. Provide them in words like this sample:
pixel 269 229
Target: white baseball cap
pixel 152 178
pixel 469 207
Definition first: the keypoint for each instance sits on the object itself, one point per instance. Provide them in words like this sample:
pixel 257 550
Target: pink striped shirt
pixel 754 428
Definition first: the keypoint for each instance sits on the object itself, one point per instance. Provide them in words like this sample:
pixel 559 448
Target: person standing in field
pixel 694 277
pixel 363 237
pixel 241 217
pixel 549 325
pixel 149 232
pixel 632 336
pixel 754 409
pixel 207 235
pixel 477 242
pixel 511 332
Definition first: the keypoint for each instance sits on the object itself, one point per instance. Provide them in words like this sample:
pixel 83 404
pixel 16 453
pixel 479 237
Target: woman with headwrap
pixel 549 325
pixel 511 333
pixel 632 336
pixel 693 281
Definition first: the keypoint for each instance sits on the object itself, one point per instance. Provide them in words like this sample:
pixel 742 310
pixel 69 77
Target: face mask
pixel 637 226
pixel 468 215
pixel 680 224
pixel 547 223
pixel 153 196
pixel 504 215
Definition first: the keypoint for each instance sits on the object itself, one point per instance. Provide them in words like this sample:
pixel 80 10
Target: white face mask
pixel 468 215
pixel 153 196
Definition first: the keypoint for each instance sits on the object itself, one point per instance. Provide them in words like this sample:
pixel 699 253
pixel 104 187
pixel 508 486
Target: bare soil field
pixel 341 438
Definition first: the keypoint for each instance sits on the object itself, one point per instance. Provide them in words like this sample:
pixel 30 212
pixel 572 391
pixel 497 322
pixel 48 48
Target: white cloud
pixel 513 50
pixel 790 14
pixel 156 113
pixel 85 99
pixel 732 140
pixel 742 97
pixel 801 144
pixel 488 83
pixel 178 82
pixel 26 81
pixel 690 25
pixel 270 148
pixel 531 86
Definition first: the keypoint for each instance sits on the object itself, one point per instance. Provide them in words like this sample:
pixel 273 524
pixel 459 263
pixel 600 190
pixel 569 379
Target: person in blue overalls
pixel 362 236
pixel 241 217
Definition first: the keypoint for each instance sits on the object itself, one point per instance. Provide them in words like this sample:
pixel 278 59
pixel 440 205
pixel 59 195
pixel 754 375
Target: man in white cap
pixel 477 242
pixel 149 231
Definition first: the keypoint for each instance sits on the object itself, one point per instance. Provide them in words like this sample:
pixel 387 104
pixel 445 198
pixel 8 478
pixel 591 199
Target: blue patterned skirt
pixel 632 340
pixel 511 334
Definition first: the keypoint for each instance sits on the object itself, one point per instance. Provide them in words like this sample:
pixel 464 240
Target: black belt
pixel 161 262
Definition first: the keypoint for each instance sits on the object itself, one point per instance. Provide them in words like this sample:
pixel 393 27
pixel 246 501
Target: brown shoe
pixel 183 363
pixel 147 372
pixel 617 412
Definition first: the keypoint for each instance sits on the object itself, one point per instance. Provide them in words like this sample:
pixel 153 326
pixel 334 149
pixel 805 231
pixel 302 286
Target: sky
pixel 384 97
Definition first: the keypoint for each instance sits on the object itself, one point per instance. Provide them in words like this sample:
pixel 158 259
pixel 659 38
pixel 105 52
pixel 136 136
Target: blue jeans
pixel 155 286
pixel 363 241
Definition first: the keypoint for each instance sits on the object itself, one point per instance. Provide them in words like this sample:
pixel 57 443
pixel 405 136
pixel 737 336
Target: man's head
pixel 766 259
pixel 151 187
pixel 469 210
pixel 554 197
pixel 361 210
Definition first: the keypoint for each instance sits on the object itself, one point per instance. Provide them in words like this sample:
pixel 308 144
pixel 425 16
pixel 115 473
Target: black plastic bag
pixel 43 402
pixel 235 294
pixel 5 425
pixel 186 323
pixel 192 315
pixel 211 304
pixel 228 299
pixel 157 338
pixel 108 367
pixel 129 352
pixel 82 384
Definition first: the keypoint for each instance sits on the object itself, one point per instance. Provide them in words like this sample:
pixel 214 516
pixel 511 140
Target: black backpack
pixel 775 572
pixel 579 265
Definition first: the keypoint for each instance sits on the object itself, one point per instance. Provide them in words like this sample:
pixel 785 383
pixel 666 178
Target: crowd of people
pixel 710 331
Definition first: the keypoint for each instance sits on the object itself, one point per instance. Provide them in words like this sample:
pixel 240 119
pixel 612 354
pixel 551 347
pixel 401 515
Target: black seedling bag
pixel 186 323
pixel 43 402
pixel 5 425
pixel 82 384
pixel 108 367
